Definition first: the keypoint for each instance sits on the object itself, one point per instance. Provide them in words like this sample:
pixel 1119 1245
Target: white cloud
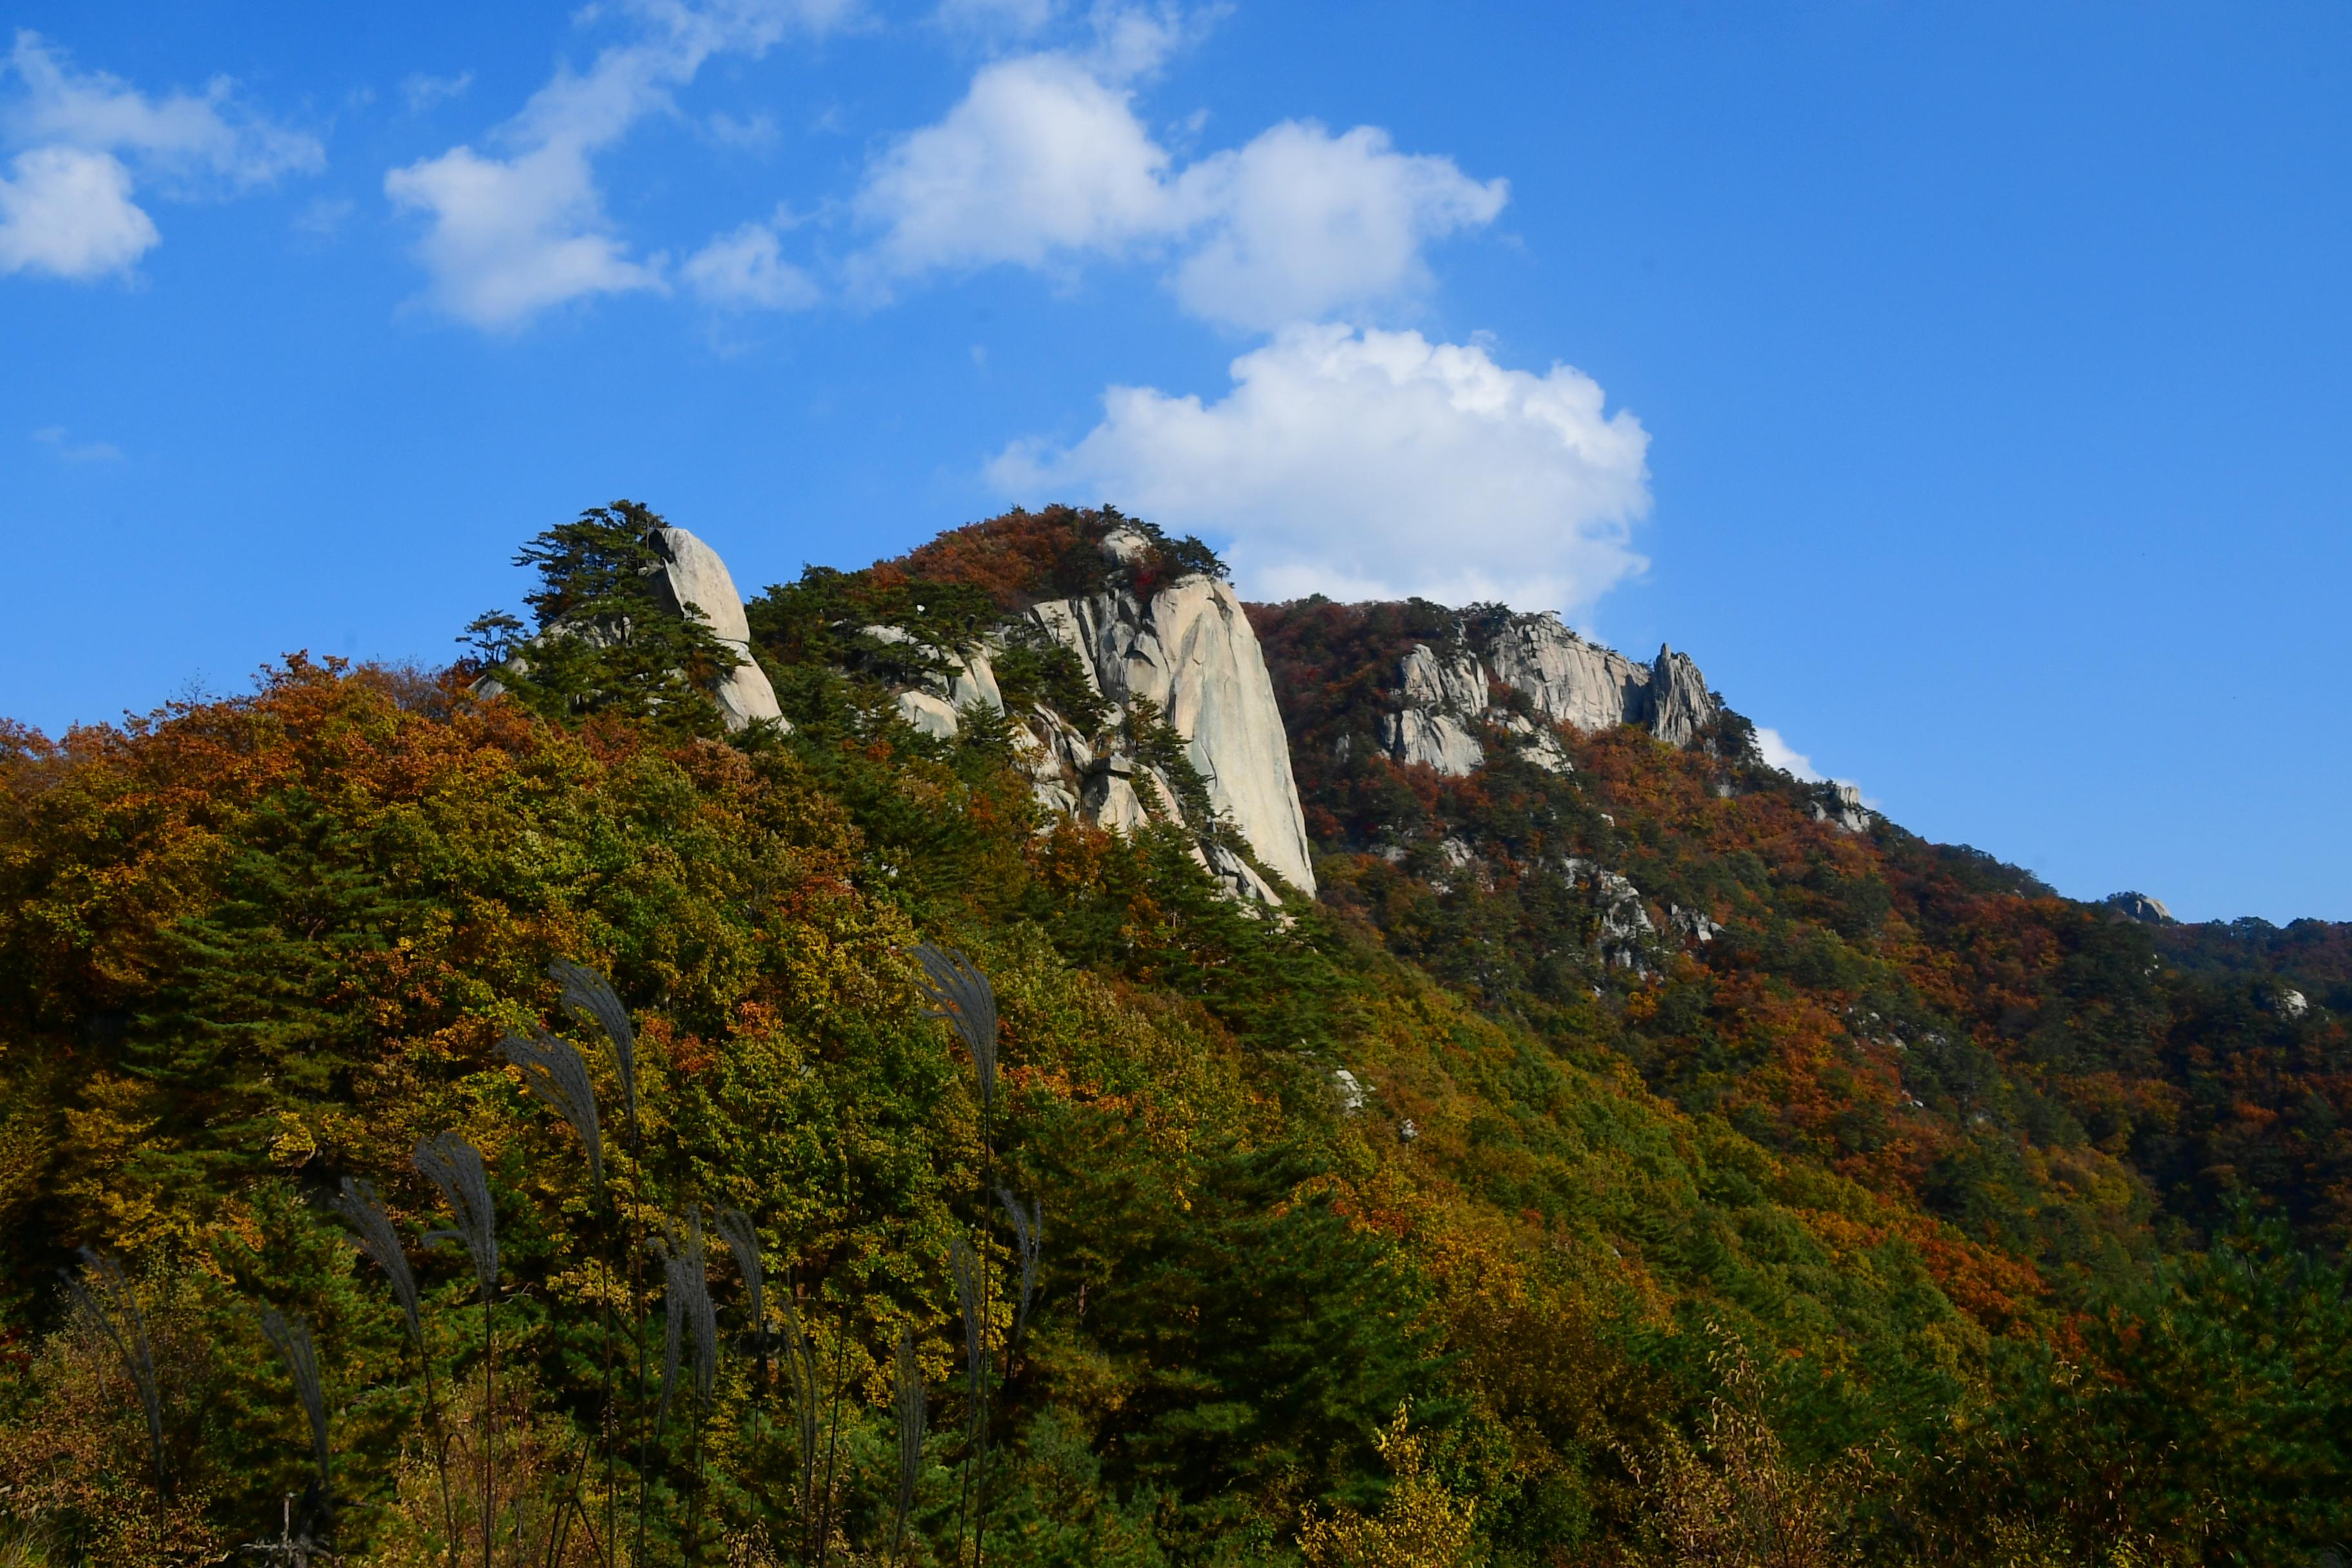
pixel 182 137
pixel 749 132
pixel 747 269
pixel 995 19
pixel 1041 160
pixel 1300 223
pixel 508 236
pixel 424 92
pixel 88 139
pixel 1045 163
pixel 1785 757
pixel 1373 464
pixel 54 437
pixel 69 213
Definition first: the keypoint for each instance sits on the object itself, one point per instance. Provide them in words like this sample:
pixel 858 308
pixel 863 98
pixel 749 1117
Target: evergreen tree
pixel 607 641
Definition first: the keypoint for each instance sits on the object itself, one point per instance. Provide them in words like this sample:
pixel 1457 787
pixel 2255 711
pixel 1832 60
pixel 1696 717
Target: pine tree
pixel 607 640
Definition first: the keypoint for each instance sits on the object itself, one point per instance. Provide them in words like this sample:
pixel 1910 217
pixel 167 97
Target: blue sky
pixel 1965 388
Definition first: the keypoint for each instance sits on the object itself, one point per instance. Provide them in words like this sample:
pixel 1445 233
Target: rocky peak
pixel 2139 907
pixel 1444 696
pixel 694 579
pixel 1839 803
pixel 1189 651
pixel 1680 705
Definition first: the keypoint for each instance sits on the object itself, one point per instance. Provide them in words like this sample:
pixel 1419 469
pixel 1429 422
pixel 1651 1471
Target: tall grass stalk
pixel 590 999
pixel 910 1437
pixel 800 1367
pixel 688 1321
pixel 970 1283
pixel 292 1338
pixel 960 995
pixel 554 1073
pixel 114 1310
pixel 380 1239
pixel 1029 1235
pixel 455 1167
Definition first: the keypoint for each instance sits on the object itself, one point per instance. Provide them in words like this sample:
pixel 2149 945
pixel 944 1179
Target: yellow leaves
pixel 294 1142
pixel 1421 1524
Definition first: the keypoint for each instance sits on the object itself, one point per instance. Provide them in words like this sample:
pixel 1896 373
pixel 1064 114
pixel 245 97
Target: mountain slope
pixel 1656 1146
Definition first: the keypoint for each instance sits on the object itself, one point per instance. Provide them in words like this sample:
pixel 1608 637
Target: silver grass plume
pixel 364 1213
pixel 588 997
pixel 742 1239
pixel 454 1167
pixel 800 1365
pixel 686 1311
pixel 910 1434
pixel 975 1332
pixel 115 1310
pixel 556 1076
pixel 293 1341
pixel 961 994
pixel 1029 1235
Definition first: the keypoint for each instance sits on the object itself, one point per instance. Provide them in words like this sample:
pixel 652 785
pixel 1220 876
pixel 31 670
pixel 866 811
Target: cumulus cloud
pixel 86 140
pixel 747 270
pixel 511 232
pixel 69 213
pixel 1045 163
pixel 1041 160
pixel 1300 222
pixel 1368 464
pixel 1784 756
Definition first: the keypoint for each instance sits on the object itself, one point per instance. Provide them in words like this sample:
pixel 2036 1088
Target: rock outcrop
pixel 1190 653
pixel 1622 934
pixel 1443 697
pixel 694 578
pixel 2141 908
pixel 1417 736
pixel 1839 803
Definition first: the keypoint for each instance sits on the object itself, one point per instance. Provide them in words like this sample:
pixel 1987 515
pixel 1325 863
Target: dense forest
pixel 442 1123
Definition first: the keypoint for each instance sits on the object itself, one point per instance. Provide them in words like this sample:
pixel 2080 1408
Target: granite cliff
pixel 1179 720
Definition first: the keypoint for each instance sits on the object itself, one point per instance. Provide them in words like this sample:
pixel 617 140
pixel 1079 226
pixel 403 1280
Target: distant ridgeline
pixel 1423 1090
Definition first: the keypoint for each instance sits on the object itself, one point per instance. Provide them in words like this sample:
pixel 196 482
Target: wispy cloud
pixel 55 438
pixel 86 140
pixel 746 270
pixel 421 92
pixel 515 232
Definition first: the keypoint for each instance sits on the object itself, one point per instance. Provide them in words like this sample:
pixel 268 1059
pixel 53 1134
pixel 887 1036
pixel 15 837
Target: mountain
pixel 1437 1096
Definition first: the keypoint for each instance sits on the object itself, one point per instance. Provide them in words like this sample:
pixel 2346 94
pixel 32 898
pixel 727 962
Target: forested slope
pixel 1913 1215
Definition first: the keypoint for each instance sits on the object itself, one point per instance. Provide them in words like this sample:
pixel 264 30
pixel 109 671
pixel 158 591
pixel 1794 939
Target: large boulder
pixel 695 581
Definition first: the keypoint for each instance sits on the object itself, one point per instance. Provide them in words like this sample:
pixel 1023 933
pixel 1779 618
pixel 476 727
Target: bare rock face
pixel 1623 933
pixel 929 714
pixel 1458 683
pixel 1839 803
pixel 1569 680
pixel 1432 740
pixel 1680 705
pixel 694 579
pixel 1443 697
pixel 1192 653
pixel 2141 908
